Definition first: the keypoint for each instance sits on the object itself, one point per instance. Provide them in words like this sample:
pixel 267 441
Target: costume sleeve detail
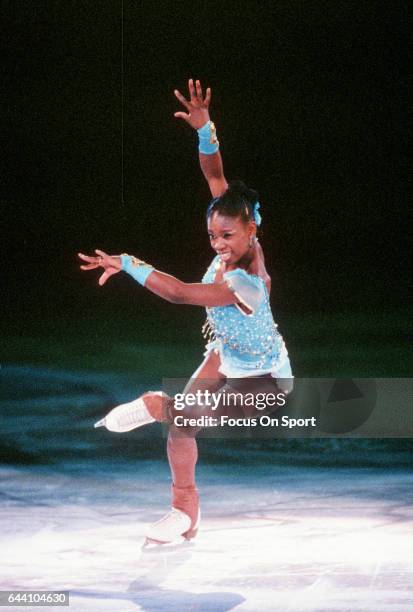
pixel 249 290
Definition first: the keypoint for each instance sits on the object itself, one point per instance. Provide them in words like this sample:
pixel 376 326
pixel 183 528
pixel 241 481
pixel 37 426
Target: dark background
pixel 309 99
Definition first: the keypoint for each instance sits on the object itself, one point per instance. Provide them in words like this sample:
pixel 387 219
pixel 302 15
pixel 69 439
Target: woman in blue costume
pixel 245 345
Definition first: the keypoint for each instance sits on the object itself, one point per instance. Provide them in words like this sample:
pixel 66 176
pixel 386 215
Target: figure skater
pixel 245 345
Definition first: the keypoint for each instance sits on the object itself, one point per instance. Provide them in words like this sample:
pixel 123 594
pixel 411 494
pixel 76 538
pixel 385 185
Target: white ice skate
pixel 128 416
pixel 172 529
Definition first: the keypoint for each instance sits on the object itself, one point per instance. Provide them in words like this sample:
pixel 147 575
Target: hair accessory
pixel 257 216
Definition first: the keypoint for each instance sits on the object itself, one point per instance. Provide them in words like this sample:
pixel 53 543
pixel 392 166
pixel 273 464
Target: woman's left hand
pixel 197 105
pixel 110 263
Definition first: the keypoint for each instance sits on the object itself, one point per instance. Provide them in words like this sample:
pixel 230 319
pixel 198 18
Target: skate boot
pixel 128 416
pixel 181 523
pixel 172 529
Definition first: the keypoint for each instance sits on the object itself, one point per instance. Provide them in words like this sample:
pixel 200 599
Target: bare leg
pixel 182 448
pixel 182 451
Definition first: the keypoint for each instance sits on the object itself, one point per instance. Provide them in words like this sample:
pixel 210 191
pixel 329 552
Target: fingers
pixel 103 278
pixel 183 116
pixel 92 262
pixel 90 267
pixel 199 91
pixel 195 94
pixel 87 258
pixel 95 262
pixel 191 89
pixel 182 99
pixel 207 97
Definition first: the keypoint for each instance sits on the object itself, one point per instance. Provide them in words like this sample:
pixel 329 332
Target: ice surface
pixel 287 540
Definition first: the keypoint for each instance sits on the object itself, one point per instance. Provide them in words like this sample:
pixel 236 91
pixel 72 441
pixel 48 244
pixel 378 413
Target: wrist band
pixel 138 269
pixel 208 141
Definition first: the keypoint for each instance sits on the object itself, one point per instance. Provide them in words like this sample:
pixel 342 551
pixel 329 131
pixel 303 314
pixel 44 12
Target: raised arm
pixel 198 118
pixel 167 287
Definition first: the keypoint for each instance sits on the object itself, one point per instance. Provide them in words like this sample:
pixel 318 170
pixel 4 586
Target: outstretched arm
pixel 197 117
pixel 167 287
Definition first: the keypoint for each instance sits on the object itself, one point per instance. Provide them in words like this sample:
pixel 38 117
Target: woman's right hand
pixel 111 264
pixel 197 105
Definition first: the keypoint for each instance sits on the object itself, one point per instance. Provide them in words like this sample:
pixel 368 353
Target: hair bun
pixel 239 189
pixel 237 201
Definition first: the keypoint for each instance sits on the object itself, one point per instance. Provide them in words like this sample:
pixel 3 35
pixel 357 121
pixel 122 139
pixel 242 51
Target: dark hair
pixel 237 201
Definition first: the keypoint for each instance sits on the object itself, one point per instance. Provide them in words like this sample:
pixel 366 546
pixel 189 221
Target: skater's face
pixel 230 237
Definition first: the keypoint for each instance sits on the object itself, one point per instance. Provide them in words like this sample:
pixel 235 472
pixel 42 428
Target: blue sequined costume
pixel 248 344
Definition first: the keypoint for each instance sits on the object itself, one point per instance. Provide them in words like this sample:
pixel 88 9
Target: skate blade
pixel 100 423
pixel 155 547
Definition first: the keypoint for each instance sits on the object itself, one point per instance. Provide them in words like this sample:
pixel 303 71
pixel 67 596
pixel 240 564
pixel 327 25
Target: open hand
pixel 197 105
pixel 110 263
